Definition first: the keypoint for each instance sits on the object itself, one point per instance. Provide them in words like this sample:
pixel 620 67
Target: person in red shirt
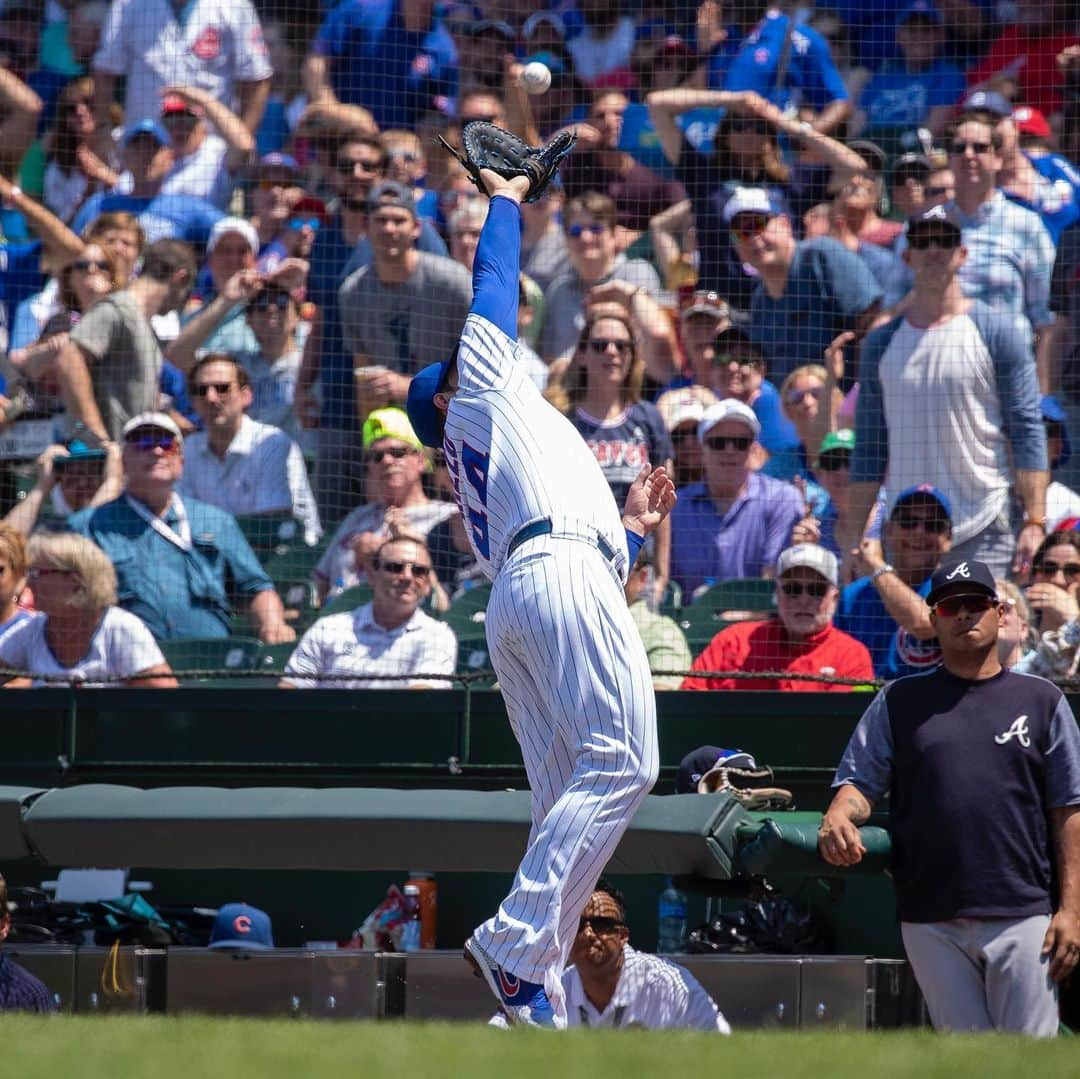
pixel 800 640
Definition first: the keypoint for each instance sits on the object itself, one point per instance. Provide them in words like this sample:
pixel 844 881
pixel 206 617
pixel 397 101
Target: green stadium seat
pixel 210 654
pixel 473 657
pixel 700 624
pixel 739 599
pixel 267 532
pixel 294 562
pixel 672 600
pixel 348 600
pixel 271 658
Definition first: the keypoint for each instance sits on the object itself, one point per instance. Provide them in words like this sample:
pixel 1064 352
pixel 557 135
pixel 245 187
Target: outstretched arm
pixel 498 254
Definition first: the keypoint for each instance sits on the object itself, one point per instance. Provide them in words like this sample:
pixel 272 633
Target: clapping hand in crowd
pixel 1052 605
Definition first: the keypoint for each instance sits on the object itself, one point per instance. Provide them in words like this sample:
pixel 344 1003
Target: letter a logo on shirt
pixel 960 571
pixel 1018 730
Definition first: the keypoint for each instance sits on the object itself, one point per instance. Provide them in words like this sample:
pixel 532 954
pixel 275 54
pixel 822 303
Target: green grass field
pixel 194 1048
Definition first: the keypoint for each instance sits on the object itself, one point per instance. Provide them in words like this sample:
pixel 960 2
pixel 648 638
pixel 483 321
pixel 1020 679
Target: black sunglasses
pixel 834 460
pixel 816 589
pixel 736 442
pixel 396 452
pixel 222 389
pixel 347 164
pixel 960 148
pixel 420 572
pixel 601 925
pixel 265 300
pixel 151 440
pixel 952 606
pixel 920 241
pixel 1050 568
pixel 938 526
pixel 89 265
pixel 601 344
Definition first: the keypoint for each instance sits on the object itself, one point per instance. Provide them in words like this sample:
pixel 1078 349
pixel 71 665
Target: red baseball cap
pixel 174 103
pixel 1030 121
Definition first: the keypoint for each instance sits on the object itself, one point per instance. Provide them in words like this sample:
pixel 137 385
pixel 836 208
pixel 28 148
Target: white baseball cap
pixel 684 405
pixel 153 419
pixel 233 224
pixel 812 557
pixel 751 200
pixel 728 409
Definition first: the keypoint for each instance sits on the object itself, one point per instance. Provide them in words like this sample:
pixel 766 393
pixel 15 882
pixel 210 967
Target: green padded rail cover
pixel 13 802
pixel 787 843
pixel 353 828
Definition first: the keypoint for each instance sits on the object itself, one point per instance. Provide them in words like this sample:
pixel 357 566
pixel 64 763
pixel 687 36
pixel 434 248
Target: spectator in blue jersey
pixel 828 484
pixel 392 56
pixel 919 90
pixel 735 522
pixel 982 767
pixel 146 154
pixel 747 153
pixel 600 393
pixel 20 991
pixel 20 263
pixel 808 292
pixel 948 396
pixel 1033 130
pixel 785 63
pixel 886 609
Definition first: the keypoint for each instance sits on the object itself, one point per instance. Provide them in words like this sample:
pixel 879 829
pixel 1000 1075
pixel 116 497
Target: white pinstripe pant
pixel 578 692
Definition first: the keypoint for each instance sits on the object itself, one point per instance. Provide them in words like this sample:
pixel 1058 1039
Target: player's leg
pixel 947 965
pixel 1021 997
pixel 590 669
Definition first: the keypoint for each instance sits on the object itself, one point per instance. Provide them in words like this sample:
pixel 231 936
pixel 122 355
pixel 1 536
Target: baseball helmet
pixel 420 405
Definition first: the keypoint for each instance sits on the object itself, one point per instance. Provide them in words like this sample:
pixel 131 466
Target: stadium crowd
pixel 824 263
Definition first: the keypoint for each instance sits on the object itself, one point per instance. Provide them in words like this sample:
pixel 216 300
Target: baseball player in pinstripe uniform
pixel 544 527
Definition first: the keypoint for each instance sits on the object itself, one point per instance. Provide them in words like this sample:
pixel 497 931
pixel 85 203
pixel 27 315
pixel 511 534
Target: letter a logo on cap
pixel 960 571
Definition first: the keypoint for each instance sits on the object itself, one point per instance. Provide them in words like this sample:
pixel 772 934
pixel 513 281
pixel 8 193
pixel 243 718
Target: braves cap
pixel 751 200
pixel 1031 121
pixel 161 420
pixel 987 101
pixel 420 404
pixel 961 576
pixel 699 762
pixel 936 219
pixel 810 556
pixel 241 926
pixel 146 127
pixel 388 423
pixel 927 490
pixel 728 409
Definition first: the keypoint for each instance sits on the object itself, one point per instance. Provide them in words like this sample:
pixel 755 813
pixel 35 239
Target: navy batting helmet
pixel 423 415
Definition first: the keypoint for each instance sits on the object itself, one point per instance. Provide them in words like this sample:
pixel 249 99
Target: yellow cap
pixel 389 423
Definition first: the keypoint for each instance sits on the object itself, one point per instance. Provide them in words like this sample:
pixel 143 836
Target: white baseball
pixel 536 77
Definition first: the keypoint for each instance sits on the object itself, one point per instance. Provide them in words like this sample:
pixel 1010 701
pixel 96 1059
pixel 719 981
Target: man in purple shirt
pixel 735 522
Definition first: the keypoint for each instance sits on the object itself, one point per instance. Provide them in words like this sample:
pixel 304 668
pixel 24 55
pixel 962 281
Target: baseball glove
pixel 747 786
pixel 489 147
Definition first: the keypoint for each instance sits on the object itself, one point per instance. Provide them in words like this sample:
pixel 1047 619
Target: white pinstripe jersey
pixel 653 993
pixel 514 459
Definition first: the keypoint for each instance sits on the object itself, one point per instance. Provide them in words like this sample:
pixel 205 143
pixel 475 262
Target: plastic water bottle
pixel 410 930
pixel 671 927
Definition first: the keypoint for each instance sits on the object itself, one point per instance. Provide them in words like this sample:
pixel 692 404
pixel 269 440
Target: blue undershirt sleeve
pixel 634 543
pixel 496 266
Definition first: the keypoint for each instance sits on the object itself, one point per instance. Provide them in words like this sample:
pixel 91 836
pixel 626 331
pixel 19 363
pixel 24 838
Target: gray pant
pixel 984 974
pixel 995 545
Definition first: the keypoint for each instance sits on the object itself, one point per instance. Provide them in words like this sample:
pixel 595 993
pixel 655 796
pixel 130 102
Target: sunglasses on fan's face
pixel 222 389
pixel 834 460
pixel 961 147
pixel 90 265
pixel 602 344
pixel 575 232
pixel 152 440
pixel 794 589
pixel 921 241
pixel 936 525
pixel 266 300
pixel 953 605
pixel 419 571
pixel 1051 569
pixel 736 442
pixel 745 226
pixel 602 926
pixel 396 452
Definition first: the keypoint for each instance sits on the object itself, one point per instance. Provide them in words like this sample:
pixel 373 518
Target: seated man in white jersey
pixel 545 529
pixel 612 985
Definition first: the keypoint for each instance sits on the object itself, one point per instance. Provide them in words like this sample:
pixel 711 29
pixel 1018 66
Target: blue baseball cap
pixel 751 200
pixel 239 925
pixel 926 490
pixel 919 9
pixel 146 127
pixel 963 576
pixel 987 101
pixel 420 405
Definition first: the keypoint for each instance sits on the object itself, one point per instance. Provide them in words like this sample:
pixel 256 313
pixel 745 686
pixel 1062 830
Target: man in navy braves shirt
pixel 982 766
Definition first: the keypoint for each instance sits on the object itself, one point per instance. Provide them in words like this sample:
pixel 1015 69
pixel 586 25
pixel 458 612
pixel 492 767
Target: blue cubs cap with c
pixel 420 405
pixel 239 925
pixel 925 490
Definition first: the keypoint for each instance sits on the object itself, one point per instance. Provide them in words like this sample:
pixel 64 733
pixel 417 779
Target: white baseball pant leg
pixel 579 695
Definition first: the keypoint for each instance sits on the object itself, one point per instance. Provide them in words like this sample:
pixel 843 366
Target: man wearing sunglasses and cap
pixel 982 766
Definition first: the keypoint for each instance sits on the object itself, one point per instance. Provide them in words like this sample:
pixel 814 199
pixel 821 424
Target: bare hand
pixel 1027 543
pixel 808 530
pixel 1055 606
pixel 364 545
pixel 397 523
pixel 383 387
pixel 620 292
pixel 649 501
pixel 191 94
pixel 276 633
pixel 834 355
pixel 290 274
pixel 46 463
pixel 710 27
pixel 839 841
pixel 1062 944
pixel 242 286
pixel 868 556
pixel 516 188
